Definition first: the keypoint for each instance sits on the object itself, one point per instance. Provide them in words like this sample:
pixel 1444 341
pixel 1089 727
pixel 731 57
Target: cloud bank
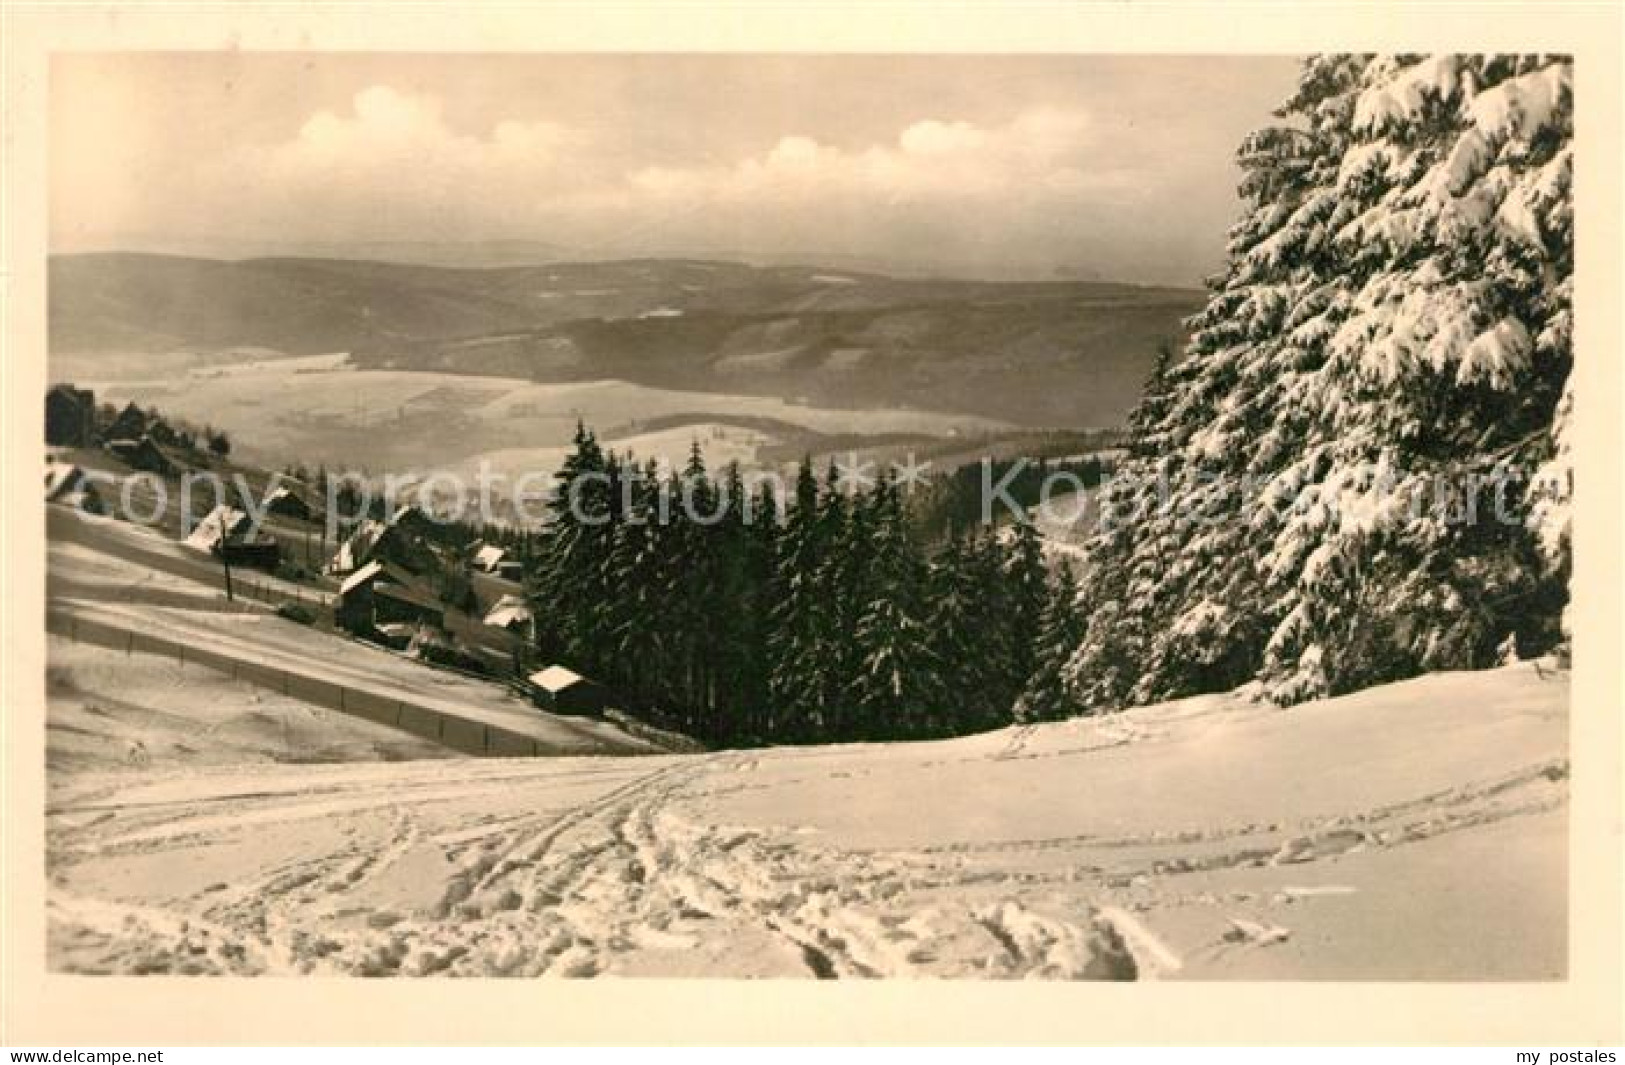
pixel 1086 181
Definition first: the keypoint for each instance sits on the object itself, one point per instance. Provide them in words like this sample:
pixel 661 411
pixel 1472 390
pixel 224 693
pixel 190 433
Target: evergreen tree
pixel 1026 597
pixel 896 689
pixel 1046 697
pixel 1311 500
pixel 959 644
pixel 575 544
pixel 797 617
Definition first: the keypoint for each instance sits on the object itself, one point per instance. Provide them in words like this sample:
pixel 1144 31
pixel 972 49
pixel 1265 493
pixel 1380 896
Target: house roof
pixel 221 522
pixel 489 556
pixel 405 512
pixel 555 678
pixel 281 492
pixel 356 551
pixel 508 609
pixel 360 577
pixel 409 594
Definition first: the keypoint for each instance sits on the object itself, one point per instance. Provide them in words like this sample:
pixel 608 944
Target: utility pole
pixel 225 564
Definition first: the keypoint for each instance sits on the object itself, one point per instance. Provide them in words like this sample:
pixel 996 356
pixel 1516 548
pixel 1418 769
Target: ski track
pixel 621 874
pixel 568 893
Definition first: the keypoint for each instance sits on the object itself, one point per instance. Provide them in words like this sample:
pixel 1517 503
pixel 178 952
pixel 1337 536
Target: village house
pixel 253 550
pixel 565 691
pixel 70 416
pixel 359 548
pixel 66 483
pixel 381 593
pixel 130 424
pixel 219 525
pixel 142 454
pixel 495 561
pixel 512 613
pixel 411 519
pixel 289 501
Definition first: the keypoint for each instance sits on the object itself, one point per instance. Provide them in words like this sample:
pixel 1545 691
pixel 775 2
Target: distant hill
pixel 1041 353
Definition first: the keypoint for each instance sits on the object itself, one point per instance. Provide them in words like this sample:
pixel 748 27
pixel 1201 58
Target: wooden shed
pixel 565 691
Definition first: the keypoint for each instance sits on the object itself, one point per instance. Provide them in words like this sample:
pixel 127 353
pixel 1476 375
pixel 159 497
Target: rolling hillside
pixel 1057 353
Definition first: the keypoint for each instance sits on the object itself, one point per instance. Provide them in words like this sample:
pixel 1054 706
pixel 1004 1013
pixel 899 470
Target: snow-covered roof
pixel 355 551
pixel 213 530
pixel 508 609
pixel 405 511
pixel 360 577
pixel 489 557
pixel 555 678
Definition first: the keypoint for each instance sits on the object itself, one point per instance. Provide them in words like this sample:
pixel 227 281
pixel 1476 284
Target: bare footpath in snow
pixel 1414 831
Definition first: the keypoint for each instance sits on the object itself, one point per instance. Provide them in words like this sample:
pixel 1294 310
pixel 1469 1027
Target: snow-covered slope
pixel 1415 831
pixel 110 710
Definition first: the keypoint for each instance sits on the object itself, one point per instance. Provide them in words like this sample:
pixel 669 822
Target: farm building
pixel 511 613
pixel 411 518
pixel 496 561
pixel 162 433
pixel 253 550
pixel 381 593
pixel 67 484
pixel 70 416
pixel 142 454
pixel 130 424
pixel 354 607
pixel 219 525
pixel 354 553
pixel 565 691
pixel 407 602
pixel 178 459
pixel 288 501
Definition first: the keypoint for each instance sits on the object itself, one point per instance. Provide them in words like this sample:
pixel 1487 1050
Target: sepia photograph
pixel 664 514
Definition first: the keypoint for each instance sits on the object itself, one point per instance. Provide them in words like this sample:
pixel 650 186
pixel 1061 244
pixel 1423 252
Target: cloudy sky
pixel 1110 167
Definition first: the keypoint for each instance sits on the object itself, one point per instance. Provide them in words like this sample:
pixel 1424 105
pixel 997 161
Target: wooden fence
pixel 459 733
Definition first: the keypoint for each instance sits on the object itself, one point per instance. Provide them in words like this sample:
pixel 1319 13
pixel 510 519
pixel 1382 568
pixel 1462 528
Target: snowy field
pixel 112 711
pixel 1415 831
pixel 322 409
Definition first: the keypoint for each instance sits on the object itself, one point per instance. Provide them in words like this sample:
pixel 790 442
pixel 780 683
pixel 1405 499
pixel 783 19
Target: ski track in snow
pixel 563 893
pixel 769 863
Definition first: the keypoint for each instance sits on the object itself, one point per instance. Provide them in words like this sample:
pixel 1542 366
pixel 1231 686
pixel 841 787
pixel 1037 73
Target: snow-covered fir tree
pixel 1046 697
pixel 1333 487
pixel 896 689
